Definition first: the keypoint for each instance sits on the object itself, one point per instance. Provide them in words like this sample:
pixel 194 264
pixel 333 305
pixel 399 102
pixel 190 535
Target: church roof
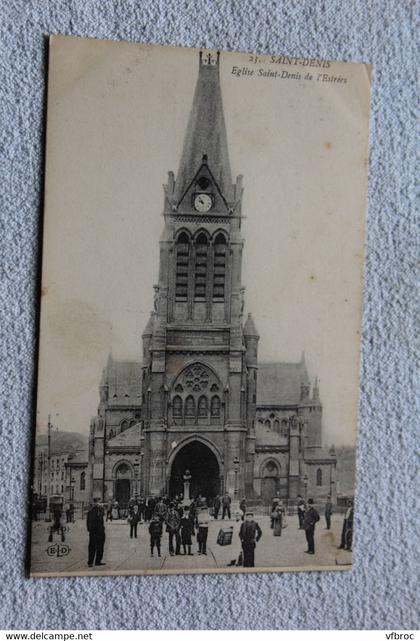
pixel 148 330
pixel 124 382
pixel 206 132
pixel 129 438
pixel 279 383
pixel 320 453
pixel 79 458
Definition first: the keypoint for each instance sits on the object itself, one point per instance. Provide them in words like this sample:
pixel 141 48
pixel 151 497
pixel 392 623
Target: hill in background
pixel 63 441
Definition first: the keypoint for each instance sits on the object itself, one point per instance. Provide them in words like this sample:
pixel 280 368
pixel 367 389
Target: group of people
pixel 145 506
pixel 224 503
pixel 183 522
pixel 308 518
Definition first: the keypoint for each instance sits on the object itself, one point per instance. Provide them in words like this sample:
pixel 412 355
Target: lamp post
pixel 72 483
pixel 49 426
pixel 141 473
pixel 236 470
pixel 305 484
pixel 136 477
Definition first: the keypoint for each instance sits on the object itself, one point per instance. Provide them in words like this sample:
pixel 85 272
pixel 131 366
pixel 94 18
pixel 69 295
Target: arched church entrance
pixel 204 469
pixel 270 482
pixel 123 485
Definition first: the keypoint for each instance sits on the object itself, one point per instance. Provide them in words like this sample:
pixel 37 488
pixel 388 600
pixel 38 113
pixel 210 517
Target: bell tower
pixel 199 299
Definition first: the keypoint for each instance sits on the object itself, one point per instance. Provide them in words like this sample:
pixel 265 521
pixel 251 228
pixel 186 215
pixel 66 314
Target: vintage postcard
pixel 201 311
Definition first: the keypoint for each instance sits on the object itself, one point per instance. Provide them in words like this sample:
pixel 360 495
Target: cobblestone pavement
pixel 126 555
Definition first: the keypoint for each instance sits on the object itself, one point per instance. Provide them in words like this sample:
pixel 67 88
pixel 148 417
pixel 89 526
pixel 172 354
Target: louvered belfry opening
pixel 219 273
pixel 182 262
pixel 200 272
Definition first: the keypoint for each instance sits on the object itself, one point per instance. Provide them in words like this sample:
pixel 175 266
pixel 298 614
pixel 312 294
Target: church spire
pixel 206 132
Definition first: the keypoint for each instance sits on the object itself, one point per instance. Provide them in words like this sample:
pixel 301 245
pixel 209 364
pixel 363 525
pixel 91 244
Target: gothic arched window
pixel 181 272
pixel 215 407
pixel 319 477
pixel 83 481
pixel 267 424
pixel 200 269
pixel 270 469
pixel 276 426
pixel 177 407
pixel 219 272
pixel 124 425
pixel 189 407
pixel 202 407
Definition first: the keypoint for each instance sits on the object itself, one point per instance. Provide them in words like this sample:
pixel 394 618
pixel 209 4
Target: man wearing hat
pixel 203 530
pixel 347 531
pixel 96 529
pixel 311 518
pixel 250 533
pixel 173 521
pixel 328 512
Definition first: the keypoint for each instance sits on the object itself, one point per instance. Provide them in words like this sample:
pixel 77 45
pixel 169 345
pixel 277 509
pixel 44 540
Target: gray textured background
pixel 380 591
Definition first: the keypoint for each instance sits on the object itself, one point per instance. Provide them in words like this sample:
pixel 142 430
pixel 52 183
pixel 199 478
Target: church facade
pixel 199 400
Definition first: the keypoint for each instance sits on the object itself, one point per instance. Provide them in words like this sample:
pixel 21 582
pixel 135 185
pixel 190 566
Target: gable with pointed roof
pixel 124 382
pixel 280 383
pixel 206 133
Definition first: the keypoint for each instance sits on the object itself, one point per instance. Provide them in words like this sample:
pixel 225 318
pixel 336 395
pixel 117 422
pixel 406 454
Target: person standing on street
pixel 160 509
pixel 242 507
pixel 133 519
pixel 187 530
pixel 109 506
pixel 277 518
pixel 142 508
pixel 249 533
pixel 173 521
pixel 216 506
pixel 155 531
pixel 274 503
pixel 203 530
pixel 226 505
pixel 300 510
pixel 328 512
pixel 347 531
pixel 96 528
pixel 311 518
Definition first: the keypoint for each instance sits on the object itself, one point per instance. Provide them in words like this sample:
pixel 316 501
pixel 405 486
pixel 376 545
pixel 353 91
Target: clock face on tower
pixel 203 202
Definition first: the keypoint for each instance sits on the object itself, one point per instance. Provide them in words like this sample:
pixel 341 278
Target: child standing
pixel 155 531
pixel 187 531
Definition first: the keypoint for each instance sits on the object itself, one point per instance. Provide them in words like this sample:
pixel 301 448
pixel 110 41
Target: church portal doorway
pixel 204 469
pixel 122 492
pixel 270 482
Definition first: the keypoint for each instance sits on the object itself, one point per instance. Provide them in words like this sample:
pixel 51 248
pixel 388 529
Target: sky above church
pixel 117 117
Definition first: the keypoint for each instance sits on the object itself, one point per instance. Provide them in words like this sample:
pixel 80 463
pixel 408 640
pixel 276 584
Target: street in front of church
pixel 125 555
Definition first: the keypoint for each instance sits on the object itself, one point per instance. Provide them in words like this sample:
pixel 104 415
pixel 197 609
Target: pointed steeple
pixel 206 132
pixel 106 370
pixel 315 391
pixel 249 327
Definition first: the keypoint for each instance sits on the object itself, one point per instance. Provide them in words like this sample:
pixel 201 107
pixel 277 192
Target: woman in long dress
pixel 277 515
